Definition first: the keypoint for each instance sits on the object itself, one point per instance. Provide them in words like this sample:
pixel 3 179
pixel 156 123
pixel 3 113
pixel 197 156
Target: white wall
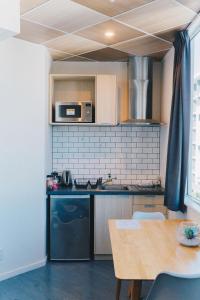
pixel 23 127
pixel 9 18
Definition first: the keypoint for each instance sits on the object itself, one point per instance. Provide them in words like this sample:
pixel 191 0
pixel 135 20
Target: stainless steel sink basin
pixel 114 187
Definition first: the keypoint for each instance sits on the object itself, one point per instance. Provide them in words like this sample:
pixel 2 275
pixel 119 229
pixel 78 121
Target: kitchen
pixel 128 153
pixel 116 154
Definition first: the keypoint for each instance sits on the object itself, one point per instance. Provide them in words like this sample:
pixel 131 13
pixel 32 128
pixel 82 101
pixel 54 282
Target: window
pixel 194 156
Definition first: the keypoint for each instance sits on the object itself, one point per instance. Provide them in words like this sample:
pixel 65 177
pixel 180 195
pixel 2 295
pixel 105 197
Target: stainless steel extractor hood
pixel 140 77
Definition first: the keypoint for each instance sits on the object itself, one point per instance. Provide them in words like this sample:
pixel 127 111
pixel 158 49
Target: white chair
pixel 169 286
pixel 140 215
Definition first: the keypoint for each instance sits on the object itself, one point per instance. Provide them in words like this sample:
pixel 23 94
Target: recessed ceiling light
pixel 112 1
pixel 109 33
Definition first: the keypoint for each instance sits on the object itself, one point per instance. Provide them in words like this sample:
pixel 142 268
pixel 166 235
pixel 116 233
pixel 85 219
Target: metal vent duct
pixel 140 76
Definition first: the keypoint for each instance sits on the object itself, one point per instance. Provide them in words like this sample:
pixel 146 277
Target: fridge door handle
pixel 70 196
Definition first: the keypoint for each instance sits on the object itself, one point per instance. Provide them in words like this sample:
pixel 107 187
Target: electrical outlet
pixel 1 254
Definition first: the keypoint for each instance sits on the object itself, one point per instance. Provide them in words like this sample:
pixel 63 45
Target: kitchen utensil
pixel 67 178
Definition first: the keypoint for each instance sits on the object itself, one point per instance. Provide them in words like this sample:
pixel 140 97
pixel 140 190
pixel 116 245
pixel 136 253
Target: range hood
pixel 140 78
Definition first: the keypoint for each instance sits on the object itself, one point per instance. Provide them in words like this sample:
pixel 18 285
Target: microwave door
pixel 73 112
pixel 69 112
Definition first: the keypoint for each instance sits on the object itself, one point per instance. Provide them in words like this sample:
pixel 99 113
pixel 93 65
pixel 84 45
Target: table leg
pixel 118 289
pixel 136 289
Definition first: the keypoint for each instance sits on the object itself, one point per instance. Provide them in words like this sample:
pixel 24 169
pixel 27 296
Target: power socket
pixel 1 254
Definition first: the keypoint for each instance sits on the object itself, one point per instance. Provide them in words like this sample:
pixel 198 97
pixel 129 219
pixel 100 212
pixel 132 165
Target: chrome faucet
pixel 108 180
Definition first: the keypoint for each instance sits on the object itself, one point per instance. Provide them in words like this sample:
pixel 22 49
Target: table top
pixel 143 249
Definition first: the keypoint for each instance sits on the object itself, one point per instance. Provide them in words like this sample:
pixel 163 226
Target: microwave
pixel 77 112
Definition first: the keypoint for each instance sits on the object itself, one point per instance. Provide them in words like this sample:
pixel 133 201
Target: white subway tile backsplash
pixel 130 153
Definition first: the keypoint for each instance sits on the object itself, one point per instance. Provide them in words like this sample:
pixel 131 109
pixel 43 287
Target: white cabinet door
pixel 149 204
pixel 106 100
pixel 108 207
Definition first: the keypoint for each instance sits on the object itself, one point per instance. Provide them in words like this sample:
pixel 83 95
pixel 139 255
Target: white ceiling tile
pixel 65 15
pixel 143 46
pixel 58 55
pixel 73 44
pixel 36 33
pixel 26 5
pixel 158 16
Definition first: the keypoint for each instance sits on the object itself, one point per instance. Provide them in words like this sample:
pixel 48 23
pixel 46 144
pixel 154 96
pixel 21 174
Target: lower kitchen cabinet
pixel 108 207
pixel 149 203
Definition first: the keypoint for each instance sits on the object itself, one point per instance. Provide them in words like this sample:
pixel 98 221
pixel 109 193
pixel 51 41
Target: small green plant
pixel 190 232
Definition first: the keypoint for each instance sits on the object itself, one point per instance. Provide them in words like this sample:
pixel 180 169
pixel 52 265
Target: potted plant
pixel 188 234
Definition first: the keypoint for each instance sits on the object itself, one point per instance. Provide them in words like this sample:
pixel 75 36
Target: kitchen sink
pixel 114 187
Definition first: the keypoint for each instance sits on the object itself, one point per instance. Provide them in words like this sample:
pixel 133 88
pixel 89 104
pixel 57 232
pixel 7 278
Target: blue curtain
pixel 178 144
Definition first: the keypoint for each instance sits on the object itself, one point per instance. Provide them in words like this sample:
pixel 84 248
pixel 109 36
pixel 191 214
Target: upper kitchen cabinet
pixel 106 100
pixel 84 99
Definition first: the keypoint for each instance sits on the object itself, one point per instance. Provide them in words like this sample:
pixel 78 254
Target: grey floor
pixel 66 281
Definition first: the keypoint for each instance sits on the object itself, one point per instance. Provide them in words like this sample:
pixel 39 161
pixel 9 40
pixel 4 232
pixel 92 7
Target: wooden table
pixel 148 248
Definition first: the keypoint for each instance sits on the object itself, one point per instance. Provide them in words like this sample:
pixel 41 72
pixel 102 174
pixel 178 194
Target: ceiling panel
pixel 107 54
pixel 193 4
pixel 58 55
pixel 36 33
pixel 158 55
pixel 110 32
pixel 106 30
pixel 26 5
pixel 73 44
pixel 169 35
pixel 158 16
pixel 112 8
pixel 143 46
pixel 77 58
pixel 64 15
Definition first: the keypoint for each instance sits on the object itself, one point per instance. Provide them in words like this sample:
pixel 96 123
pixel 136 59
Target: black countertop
pixel 133 190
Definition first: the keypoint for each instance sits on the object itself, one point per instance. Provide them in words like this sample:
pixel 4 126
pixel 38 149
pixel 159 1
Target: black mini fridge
pixel 70 227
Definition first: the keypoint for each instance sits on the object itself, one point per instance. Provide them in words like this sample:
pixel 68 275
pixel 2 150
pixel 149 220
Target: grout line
pixel 60 51
pixel 100 44
pixel 34 8
pixel 145 32
pixel 99 22
pixel 107 18
pixel 54 39
pixel 170 28
pixel 90 51
pixel 149 53
pixel 72 54
pixel 82 54
pixel 88 26
pixel 135 8
pixel 158 51
pixel 68 34
pixel 188 8
pixel 76 56
pixel 47 26
pixel 129 40
pixel 63 52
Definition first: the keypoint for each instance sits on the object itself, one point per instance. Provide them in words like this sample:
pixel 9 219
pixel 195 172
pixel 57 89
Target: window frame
pixel 188 197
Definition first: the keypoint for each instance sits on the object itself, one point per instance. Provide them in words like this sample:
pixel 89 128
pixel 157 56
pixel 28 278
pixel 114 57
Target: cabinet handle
pixel 149 205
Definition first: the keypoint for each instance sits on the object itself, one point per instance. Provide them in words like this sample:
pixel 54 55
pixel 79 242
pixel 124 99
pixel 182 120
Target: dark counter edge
pixel 73 191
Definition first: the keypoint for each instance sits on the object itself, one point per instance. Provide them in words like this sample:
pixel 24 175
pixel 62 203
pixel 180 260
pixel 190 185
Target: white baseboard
pixel 24 269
